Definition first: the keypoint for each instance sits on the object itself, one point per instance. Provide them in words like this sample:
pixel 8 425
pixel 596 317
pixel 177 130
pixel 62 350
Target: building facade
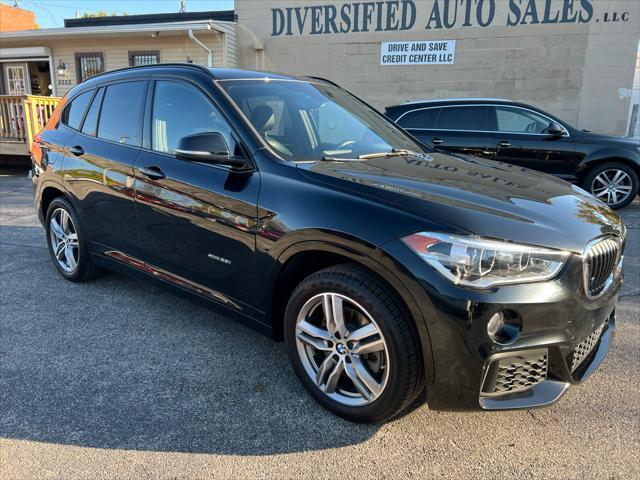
pixel 52 61
pixel 574 58
pixel 12 19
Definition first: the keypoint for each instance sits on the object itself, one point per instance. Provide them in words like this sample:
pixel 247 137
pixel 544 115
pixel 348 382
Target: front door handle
pixel 505 143
pixel 437 141
pixel 77 150
pixel 153 172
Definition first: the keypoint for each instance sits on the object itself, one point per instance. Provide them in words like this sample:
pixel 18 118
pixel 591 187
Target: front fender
pixel 375 260
pixel 610 154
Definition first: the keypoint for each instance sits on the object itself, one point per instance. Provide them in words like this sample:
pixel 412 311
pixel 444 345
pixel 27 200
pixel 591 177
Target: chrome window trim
pixel 565 134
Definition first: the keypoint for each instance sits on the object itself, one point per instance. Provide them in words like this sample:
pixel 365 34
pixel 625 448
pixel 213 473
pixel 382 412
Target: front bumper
pixel 540 377
pixel 535 370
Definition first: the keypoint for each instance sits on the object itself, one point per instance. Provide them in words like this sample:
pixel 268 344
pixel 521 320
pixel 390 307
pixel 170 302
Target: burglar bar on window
pixel 144 57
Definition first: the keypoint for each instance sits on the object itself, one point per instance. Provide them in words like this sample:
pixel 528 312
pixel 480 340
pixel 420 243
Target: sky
pixel 51 13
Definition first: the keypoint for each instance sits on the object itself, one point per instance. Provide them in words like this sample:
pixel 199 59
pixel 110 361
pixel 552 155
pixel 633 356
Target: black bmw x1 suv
pixel 291 205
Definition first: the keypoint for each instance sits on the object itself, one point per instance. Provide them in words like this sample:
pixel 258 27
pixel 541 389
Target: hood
pixel 491 199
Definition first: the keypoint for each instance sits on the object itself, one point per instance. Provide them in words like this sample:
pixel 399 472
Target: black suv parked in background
pixel 519 134
pixel 293 206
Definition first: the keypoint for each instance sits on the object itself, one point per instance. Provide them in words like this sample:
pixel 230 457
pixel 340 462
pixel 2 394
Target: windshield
pixel 314 121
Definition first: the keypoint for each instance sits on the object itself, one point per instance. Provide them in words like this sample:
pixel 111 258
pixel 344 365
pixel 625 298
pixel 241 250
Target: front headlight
pixel 481 263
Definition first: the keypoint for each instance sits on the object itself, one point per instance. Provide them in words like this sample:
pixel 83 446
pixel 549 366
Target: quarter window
pixel 518 120
pixel 120 117
pixel 75 111
pixel 91 120
pixel 425 118
pixel 464 118
pixel 89 64
pixel 180 110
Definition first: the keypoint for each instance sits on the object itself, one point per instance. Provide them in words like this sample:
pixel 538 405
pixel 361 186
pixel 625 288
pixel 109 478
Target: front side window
pixel 424 118
pixel 464 118
pixel 121 114
pixel 180 110
pixel 519 120
pixel 75 111
pixel 309 121
pixel 89 64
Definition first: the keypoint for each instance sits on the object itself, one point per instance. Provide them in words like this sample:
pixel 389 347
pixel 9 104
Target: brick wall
pixel 12 19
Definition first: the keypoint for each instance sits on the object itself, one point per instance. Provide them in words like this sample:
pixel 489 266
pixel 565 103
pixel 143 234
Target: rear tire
pixel 614 183
pixel 67 243
pixel 370 372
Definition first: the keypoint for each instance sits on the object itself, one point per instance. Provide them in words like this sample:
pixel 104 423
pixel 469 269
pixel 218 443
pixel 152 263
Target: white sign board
pixel 427 52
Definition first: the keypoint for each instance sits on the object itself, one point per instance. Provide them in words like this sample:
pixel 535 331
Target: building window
pixel 144 57
pixel 89 64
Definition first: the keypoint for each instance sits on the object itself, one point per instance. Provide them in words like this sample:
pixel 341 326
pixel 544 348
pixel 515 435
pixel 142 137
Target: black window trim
pixel 490 105
pixel 148 115
pixel 106 84
pixel 84 117
pixel 147 53
pixel 63 120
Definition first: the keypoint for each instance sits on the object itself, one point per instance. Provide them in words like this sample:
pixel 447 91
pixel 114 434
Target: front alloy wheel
pixel 353 344
pixel 342 349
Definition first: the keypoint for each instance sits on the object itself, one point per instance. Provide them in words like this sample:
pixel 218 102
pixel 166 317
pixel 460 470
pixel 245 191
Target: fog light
pixel 502 330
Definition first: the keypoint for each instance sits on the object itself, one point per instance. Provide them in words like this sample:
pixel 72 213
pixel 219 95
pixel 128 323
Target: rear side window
pixel 91 120
pixel 464 118
pixel 121 114
pixel 425 118
pixel 75 111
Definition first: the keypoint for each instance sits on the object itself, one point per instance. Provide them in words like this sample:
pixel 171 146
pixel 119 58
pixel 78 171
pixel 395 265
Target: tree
pixel 102 13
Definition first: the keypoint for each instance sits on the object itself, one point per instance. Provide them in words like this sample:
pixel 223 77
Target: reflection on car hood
pixel 483 197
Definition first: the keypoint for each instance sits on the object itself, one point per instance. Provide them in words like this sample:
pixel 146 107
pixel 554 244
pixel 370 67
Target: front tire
pixel 352 345
pixel 67 243
pixel 616 184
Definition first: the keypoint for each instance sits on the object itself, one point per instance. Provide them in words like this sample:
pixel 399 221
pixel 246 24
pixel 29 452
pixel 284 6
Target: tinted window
pixel 75 111
pixel 180 110
pixel 464 118
pixel 121 113
pixel 91 120
pixel 308 121
pixel 425 118
pixel 520 120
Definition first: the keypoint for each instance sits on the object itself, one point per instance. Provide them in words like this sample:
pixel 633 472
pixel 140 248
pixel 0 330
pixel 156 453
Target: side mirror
pixel 207 147
pixel 555 129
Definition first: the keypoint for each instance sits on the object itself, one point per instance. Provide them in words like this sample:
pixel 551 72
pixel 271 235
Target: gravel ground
pixel 117 379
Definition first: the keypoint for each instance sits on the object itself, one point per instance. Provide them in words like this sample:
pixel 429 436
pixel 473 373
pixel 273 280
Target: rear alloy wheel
pixel 66 243
pixel 352 344
pixel 616 184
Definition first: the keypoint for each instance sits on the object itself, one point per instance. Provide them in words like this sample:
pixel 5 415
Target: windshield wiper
pixel 396 152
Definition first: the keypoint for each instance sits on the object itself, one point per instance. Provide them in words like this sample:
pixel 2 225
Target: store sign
pixel 337 18
pixel 429 52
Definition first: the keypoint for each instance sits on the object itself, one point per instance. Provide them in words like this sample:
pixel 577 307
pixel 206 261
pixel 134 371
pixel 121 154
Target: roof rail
pixel 196 66
pixel 324 80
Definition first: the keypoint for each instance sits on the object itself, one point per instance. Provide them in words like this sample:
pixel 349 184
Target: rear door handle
pixel 154 172
pixel 77 150
pixel 504 143
pixel 437 141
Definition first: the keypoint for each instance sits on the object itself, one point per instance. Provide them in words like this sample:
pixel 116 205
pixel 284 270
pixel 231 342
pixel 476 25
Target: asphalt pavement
pixel 118 379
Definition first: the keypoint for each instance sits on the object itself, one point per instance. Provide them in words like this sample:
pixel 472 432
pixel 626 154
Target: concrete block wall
pixel 578 71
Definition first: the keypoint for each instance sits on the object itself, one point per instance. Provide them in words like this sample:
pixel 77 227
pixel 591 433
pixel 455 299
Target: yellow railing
pixel 23 116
